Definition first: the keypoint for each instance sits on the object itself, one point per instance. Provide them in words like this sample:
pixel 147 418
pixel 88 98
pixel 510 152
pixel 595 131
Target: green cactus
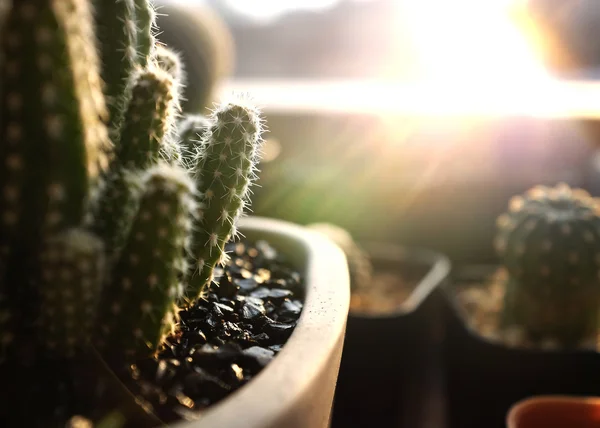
pixel 225 169
pixel 72 271
pixel 549 241
pixel 169 61
pixel 137 307
pixel 116 29
pixel 47 43
pixel 54 141
pixel 99 212
pixel 146 19
pixel 190 131
pixel 149 117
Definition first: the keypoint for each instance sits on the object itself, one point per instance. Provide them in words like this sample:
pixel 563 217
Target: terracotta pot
pixel 296 389
pixel 390 370
pixel 555 412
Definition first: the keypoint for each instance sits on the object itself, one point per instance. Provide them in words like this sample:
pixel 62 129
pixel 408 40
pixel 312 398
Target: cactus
pixel 116 29
pixel 145 284
pixel 549 241
pixel 359 262
pixel 146 20
pixel 149 117
pixel 225 169
pixel 72 272
pixel 190 131
pixel 54 142
pixel 99 213
pixel 60 58
pixel 169 61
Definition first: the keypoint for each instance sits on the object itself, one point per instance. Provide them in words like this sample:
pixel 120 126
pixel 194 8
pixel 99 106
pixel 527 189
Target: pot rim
pixel 318 334
pixel 438 273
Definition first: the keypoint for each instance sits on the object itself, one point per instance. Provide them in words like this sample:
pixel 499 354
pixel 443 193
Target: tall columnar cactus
pixel 53 96
pixel 145 284
pixel 72 271
pixel 549 241
pixel 53 139
pixel 225 169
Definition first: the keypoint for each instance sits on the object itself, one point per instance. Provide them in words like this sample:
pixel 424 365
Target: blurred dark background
pixel 429 181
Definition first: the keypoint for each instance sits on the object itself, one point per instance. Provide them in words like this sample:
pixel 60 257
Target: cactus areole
pixel 113 222
pixel 549 242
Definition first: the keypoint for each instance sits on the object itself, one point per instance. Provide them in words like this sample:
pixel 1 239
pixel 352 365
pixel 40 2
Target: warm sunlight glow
pixel 476 58
pixel 471 51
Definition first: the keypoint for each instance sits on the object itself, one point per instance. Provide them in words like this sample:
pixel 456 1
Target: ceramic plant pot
pixel 484 378
pixel 296 389
pixel 389 370
pixel 555 412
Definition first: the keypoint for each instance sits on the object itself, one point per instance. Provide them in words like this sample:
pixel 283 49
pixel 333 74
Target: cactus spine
pixel 549 241
pixel 168 61
pixel 225 169
pixel 191 130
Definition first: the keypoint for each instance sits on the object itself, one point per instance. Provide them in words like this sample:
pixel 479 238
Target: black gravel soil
pixel 226 338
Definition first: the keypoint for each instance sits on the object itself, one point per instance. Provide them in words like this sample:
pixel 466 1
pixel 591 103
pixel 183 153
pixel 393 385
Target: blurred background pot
pixel 205 44
pixel 389 375
pixel 476 367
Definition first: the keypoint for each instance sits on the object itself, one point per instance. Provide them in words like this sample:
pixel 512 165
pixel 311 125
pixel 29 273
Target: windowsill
pixel 557 100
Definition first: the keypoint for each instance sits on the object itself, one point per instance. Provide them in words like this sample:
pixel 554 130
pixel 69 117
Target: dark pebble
pixel 261 293
pixel 278 294
pixel 220 309
pixel 279 331
pixel 260 356
pixel 226 286
pixel 251 310
pixel 246 284
pixel 201 382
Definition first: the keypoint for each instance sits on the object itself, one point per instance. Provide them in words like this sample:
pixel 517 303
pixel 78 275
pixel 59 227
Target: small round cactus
pixel 549 242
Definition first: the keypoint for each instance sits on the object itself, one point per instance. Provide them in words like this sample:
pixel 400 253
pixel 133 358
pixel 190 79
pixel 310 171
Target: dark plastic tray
pixel 484 379
pixel 390 370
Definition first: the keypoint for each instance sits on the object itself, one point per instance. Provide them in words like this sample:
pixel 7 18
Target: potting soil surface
pixel 385 293
pixel 226 338
pixel 482 303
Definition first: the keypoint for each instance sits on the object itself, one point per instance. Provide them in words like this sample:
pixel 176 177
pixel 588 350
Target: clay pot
pixel 555 412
